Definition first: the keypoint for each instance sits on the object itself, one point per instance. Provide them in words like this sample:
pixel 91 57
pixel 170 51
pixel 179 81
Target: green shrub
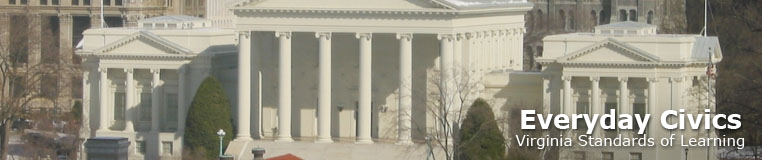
pixel 480 138
pixel 208 113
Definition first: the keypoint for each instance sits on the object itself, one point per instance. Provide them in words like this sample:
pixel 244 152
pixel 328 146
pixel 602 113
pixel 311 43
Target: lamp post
pixel 221 134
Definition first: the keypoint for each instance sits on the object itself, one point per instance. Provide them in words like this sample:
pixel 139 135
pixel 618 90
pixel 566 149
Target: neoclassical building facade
pixel 631 69
pixel 341 79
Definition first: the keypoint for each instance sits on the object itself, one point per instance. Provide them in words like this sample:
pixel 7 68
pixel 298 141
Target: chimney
pixel 259 153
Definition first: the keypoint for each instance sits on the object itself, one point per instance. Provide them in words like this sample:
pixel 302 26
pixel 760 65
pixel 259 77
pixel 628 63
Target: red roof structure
pixel 285 157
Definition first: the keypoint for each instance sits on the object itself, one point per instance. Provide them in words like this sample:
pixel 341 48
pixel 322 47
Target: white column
pixel 130 104
pixel 405 89
pixel 567 95
pixel 596 103
pixel 324 87
pixel 447 86
pixel 652 101
pixel 284 92
pixel 155 99
pixel 85 129
pixel 102 99
pixel 181 94
pixel 244 86
pixel 623 95
pixel 364 109
pixel 624 106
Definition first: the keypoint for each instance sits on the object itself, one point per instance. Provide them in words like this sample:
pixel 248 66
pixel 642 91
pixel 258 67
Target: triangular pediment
pixel 142 43
pixel 610 51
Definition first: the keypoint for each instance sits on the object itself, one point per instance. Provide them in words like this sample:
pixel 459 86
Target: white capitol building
pixel 341 79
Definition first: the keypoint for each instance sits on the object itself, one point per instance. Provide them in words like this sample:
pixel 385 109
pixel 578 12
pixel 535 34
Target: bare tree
pixel 448 96
pixel 28 62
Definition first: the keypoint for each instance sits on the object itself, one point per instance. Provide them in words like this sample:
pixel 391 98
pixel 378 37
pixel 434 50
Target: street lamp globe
pixel 221 133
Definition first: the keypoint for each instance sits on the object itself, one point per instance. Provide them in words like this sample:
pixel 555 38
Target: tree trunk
pixel 4 142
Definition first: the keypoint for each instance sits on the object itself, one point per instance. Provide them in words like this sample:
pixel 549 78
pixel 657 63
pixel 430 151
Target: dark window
pixel 638 109
pixel 24 2
pixel 119 103
pixel 50 40
pixel 18 86
pixel 562 15
pixel 106 2
pixel 594 16
pixel 633 15
pixel 76 85
pixel 43 2
pixel 11 1
pixel 118 2
pixel 582 108
pixel 622 15
pixel 650 17
pixel 49 86
pixel 86 2
pixel 56 2
pixel 19 43
pixel 75 2
pixel 611 133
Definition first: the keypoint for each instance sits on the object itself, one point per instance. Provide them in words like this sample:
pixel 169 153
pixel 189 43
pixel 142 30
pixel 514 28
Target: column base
pixel 404 142
pixel 364 141
pixel 324 140
pixel 284 139
pixel 243 138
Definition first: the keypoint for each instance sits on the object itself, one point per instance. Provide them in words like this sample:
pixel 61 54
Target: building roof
pixel 285 157
pixel 385 4
pixel 171 19
pixel 481 4
pixel 705 45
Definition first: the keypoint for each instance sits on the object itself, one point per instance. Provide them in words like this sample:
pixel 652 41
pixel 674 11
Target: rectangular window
pixel 49 86
pixel 12 2
pixel 611 133
pixel 18 86
pixel 636 156
pixel 106 2
pixel 172 25
pixel 86 2
pixel 638 109
pixel 171 107
pixel 145 106
pixel 582 108
pixel 118 2
pixel 74 2
pixel 166 148
pixel 24 2
pixel 579 155
pixel 43 2
pixel 140 146
pixel 120 100
pixel 147 25
pixel 607 156
pixel 56 2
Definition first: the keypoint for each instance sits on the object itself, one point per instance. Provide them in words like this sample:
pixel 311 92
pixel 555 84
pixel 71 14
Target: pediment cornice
pixel 622 48
pixel 165 45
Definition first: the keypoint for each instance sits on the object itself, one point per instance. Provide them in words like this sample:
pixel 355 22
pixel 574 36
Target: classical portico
pixel 363 54
pixel 631 69
pixel 139 82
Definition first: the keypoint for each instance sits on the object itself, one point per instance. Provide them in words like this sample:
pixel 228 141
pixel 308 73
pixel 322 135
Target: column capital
pixel 470 35
pixel 566 78
pixel 64 17
pixel 460 36
pixel 652 79
pixel 244 33
pixel 103 69
pixel 405 36
pixel 623 79
pixel 445 36
pixel 595 78
pixel 128 70
pixel 676 79
pixel 155 70
pixel 284 34
pixel 327 35
pixel 364 35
